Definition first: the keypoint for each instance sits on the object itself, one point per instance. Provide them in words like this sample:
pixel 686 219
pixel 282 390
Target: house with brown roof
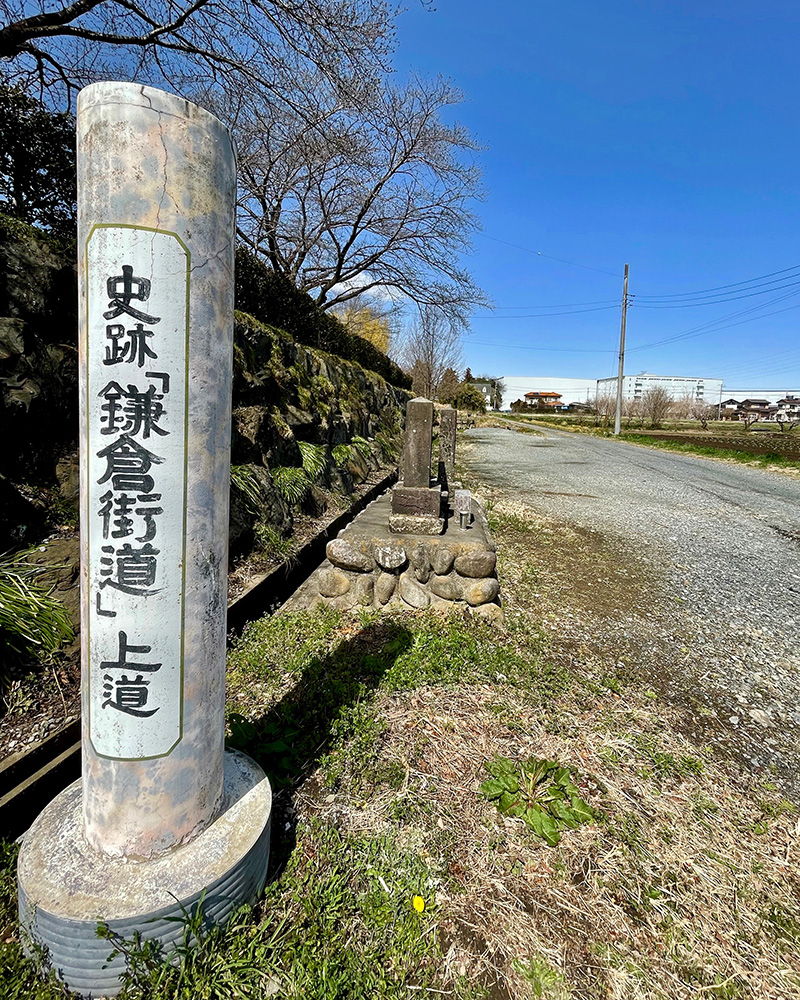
pixel 551 400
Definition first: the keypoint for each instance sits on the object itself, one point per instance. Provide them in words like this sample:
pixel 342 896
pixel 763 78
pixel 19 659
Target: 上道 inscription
pixel 137 368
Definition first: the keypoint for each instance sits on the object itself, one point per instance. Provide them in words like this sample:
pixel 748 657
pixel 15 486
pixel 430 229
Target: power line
pixel 718 288
pixel 556 350
pixel 787 357
pixel 716 301
pixel 539 253
pixel 568 312
pixel 713 326
pixel 562 305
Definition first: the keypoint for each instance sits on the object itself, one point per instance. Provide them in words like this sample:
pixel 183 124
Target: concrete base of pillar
pixel 66 888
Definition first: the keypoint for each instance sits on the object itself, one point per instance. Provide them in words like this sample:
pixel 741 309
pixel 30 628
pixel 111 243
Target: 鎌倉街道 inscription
pixel 137 370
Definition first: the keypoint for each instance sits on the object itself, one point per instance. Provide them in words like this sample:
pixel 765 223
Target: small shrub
pixel 244 479
pixel 270 540
pixel 292 483
pixel 363 447
pixel 314 459
pixel 30 619
pixel 342 454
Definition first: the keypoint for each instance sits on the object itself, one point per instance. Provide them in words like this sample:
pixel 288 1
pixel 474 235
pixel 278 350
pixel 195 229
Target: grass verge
pixel 755 457
pixel 768 460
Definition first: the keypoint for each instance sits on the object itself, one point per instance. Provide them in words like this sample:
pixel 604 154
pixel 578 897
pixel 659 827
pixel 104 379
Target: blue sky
pixel 662 134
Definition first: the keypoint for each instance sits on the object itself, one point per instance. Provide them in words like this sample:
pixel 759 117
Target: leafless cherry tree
pixel 371 193
pixel 656 404
pixel 605 406
pixel 191 44
pixel 704 412
pixel 348 182
pixel 787 421
pixel 432 345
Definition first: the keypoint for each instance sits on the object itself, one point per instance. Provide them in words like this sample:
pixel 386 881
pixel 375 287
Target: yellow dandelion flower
pixel 419 903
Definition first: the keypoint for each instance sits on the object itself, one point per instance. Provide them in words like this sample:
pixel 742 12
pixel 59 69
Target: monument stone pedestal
pixel 163 821
pixel 416 502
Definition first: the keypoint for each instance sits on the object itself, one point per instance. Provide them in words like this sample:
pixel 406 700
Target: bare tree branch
pixel 376 193
pixel 431 347
pixel 194 43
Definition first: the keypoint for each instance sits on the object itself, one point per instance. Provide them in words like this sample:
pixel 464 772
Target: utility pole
pixel 618 417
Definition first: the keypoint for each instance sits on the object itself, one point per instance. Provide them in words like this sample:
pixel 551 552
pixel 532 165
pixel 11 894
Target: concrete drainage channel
pixel 32 778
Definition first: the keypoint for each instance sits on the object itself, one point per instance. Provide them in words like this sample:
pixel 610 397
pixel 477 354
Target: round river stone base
pixel 66 888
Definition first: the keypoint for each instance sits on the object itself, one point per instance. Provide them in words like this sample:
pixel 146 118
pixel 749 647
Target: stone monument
pixel 448 425
pixel 416 504
pixel 163 817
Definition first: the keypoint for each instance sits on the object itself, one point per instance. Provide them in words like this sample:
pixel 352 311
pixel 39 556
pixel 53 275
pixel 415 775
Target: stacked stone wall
pixel 367 566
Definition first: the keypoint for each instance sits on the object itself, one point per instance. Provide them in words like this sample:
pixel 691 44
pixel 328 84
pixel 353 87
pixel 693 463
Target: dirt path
pixel 698 586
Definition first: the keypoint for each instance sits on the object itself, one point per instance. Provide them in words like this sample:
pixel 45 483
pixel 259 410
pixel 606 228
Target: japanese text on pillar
pixel 136 407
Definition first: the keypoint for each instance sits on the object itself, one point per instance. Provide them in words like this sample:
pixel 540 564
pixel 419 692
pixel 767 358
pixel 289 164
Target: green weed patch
pixel 540 792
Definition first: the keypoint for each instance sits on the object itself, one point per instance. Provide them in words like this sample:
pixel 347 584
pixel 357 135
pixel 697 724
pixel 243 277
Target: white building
pixel 706 390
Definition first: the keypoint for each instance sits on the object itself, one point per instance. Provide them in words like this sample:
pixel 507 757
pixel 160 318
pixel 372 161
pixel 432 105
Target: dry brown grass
pixel 688 885
pixel 672 894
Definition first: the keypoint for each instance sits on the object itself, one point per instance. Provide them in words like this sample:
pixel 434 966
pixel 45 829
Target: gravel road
pixel 723 542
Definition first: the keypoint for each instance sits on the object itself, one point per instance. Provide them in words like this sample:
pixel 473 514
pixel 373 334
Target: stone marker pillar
pixel 416 505
pixel 418 444
pixel 448 424
pixel 162 814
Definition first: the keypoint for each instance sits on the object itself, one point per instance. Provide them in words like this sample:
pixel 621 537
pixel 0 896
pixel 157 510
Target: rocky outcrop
pixel 285 393
pixel 287 396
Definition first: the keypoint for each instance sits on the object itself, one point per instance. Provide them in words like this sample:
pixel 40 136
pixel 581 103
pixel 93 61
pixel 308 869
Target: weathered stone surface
pixel 390 556
pixel 343 603
pixel 157 190
pixel 406 524
pixel 418 443
pixel 333 582
pixel 66 886
pixel 363 589
pixel 481 592
pixel 418 556
pixel 451 587
pixel 476 563
pixel 68 476
pixel 385 587
pixel 491 613
pixel 462 502
pixel 412 593
pixel 12 339
pixel 442 560
pixel 448 420
pixel 357 466
pixel 428 562
pixel 341 553
pixel 274 510
pixel 416 501
pixel 419 559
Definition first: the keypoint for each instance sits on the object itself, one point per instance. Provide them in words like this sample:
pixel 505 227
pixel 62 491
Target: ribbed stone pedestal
pixel 66 888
